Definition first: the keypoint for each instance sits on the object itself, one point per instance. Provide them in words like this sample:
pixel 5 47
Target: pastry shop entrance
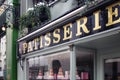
pixel 57 65
pixel 106 59
pixel 88 59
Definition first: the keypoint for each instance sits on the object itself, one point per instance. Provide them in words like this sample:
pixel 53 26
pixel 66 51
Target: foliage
pixel 22 21
pixel 42 12
pixel 35 17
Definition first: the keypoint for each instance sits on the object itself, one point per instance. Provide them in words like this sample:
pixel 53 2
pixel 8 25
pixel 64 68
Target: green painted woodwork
pixel 11 38
pixel 11 54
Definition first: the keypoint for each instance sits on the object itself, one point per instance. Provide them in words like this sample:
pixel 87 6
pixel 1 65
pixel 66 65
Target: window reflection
pixel 112 69
pixel 55 66
pixel 84 64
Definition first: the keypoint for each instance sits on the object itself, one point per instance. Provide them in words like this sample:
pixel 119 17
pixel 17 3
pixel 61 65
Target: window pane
pixel 84 64
pixel 112 69
pixel 54 66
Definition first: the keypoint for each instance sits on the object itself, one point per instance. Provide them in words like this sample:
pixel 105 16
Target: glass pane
pixel 84 65
pixel 112 69
pixel 50 67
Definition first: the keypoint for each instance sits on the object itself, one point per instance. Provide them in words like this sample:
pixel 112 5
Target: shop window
pixel 84 65
pixel 49 67
pixel 112 69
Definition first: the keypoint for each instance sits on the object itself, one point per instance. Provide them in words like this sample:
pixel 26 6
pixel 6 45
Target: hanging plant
pixel 35 17
pixel 43 13
pixel 22 27
pixel 22 21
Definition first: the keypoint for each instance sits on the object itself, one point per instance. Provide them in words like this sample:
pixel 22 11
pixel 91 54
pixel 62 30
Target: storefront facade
pixel 79 47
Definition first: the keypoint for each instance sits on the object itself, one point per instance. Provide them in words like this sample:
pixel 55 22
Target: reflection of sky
pixel 31 62
pixel 112 60
pixel 43 61
pixel 36 61
pixel 47 60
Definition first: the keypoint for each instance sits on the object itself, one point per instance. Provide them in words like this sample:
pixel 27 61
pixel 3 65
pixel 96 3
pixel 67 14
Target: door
pixel 112 69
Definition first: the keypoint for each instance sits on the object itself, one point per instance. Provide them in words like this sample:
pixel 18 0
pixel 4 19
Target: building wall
pixel 3 53
pixel 23 7
pixel 62 7
pixel 20 71
pixel 57 9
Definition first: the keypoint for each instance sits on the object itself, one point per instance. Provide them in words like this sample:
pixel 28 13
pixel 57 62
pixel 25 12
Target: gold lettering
pixel 30 48
pixel 82 25
pixel 36 43
pixel 24 47
pixel 47 39
pixel 112 14
pixel 97 21
pixel 41 41
pixel 56 35
pixel 67 31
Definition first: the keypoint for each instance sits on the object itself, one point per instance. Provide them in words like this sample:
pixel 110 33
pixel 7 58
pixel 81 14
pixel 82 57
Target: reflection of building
pixel 84 41
pixel 2 55
pixel 3 8
pixel 2 16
